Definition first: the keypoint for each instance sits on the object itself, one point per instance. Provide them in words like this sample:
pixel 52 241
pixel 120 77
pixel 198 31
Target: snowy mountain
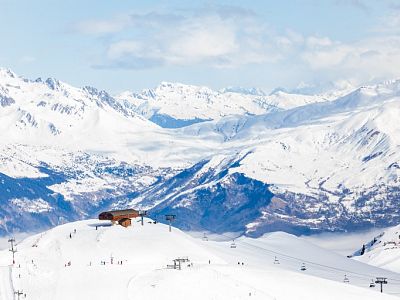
pixel 331 166
pixel 207 196
pixel 91 259
pixel 254 164
pixel 175 105
pixel 66 152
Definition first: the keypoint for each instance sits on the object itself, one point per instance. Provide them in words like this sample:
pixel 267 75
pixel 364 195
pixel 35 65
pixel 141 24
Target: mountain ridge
pixel 324 165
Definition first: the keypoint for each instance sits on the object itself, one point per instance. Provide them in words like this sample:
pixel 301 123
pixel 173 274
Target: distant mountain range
pixel 229 160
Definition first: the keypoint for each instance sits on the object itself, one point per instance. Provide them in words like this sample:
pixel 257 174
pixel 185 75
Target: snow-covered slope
pixel 382 251
pixel 66 263
pixel 174 105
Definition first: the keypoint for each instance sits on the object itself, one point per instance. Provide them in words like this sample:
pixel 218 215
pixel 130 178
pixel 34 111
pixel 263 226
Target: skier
pixel 70 235
pixel 209 261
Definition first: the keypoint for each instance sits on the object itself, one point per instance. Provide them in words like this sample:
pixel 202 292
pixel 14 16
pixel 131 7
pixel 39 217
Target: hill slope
pixel 382 251
pixel 43 272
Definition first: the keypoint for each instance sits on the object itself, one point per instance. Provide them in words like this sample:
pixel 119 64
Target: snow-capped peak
pixel 243 90
pixel 4 72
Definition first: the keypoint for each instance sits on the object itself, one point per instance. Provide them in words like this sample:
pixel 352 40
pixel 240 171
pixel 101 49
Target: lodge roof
pixel 121 212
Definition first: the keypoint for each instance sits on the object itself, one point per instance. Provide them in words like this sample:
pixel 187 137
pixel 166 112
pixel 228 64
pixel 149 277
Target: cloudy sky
pixel 130 45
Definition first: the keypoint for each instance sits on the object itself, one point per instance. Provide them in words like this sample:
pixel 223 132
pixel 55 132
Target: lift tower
pixel 170 219
pixel 142 214
pixel 381 281
pixel 12 249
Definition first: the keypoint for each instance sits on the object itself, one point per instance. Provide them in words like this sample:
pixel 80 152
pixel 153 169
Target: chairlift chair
pixel 372 284
pixel 346 280
pixel 233 245
pixel 276 261
pixel 303 267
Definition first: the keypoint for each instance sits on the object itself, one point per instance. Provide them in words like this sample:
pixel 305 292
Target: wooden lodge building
pixel 123 217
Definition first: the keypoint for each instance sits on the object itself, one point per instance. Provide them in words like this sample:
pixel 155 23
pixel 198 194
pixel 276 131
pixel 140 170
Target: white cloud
pixel 27 59
pixel 231 37
pixel 368 59
pixel 328 56
pixel 212 38
pixel 313 41
pixel 390 24
pixel 122 48
pixel 196 41
pixel 103 26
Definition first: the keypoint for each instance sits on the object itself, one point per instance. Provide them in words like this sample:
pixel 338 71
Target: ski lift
pixel 372 284
pixel 205 238
pixel 303 267
pixel 233 245
pixel 346 280
pixel 276 261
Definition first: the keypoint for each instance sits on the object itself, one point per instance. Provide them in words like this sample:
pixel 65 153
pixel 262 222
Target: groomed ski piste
pixel 93 260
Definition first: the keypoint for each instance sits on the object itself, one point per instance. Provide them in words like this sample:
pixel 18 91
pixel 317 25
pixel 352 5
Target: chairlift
pixel 372 284
pixel 346 280
pixel 303 267
pixel 276 261
pixel 233 245
pixel 205 238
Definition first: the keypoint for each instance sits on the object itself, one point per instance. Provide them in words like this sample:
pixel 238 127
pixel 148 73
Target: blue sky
pixel 131 45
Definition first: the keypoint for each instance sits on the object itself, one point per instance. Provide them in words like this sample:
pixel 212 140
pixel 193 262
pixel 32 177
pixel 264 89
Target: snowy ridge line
pixel 323 161
pixel 360 275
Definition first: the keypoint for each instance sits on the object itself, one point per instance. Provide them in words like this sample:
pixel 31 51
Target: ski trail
pixel 6 286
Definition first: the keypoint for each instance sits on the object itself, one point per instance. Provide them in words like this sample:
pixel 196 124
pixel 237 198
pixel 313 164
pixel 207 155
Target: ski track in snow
pixel 6 284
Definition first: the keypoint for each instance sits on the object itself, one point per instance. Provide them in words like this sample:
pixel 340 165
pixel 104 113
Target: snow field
pixel 42 263
pixel 384 252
